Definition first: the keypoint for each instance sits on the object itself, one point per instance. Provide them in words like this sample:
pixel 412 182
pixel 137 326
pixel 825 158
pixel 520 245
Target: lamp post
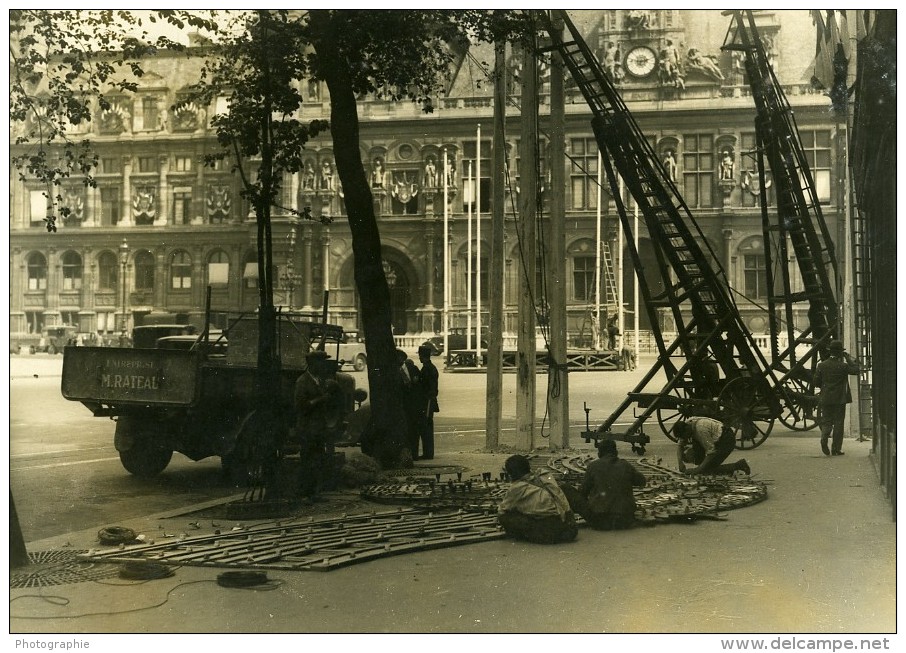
pixel 289 278
pixel 124 259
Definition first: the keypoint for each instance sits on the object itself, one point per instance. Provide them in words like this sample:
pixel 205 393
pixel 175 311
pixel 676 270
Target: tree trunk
pixel 374 293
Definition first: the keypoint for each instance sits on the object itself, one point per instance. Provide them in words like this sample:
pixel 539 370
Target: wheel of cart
pixel 674 407
pixel 800 410
pixel 742 408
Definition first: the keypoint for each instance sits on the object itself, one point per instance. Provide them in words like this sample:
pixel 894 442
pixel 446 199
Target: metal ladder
pixel 709 330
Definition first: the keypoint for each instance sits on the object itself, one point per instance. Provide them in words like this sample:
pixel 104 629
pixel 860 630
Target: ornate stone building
pixel 160 227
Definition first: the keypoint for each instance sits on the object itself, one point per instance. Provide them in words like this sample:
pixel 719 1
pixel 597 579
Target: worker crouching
pixel 535 508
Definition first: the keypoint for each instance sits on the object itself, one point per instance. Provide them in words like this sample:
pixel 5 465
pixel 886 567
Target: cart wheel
pixel 743 410
pixel 752 433
pixel 668 416
pixel 360 363
pixel 800 410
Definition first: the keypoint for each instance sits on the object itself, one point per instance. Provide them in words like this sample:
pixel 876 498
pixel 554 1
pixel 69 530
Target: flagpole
pixel 596 336
pixel 478 247
pixel 469 262
pixel 446 263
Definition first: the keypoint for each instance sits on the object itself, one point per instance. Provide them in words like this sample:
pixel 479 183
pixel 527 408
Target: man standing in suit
pixel 428 384
pixel 832 376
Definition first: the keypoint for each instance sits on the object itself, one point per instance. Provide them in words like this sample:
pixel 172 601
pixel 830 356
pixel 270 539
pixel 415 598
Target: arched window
pixel 108 271
pixel 144 271
pixel 37 271
pixel 180 270
pixel 72 271
pixel 218 268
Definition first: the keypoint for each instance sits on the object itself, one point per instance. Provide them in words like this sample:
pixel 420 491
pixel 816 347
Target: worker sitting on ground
pixel 706 443
pixel 535 508
pixel 605 500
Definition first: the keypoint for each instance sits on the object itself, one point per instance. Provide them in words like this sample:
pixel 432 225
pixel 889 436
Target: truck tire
pixel 140 455
pixel 360 363
pixel 145 459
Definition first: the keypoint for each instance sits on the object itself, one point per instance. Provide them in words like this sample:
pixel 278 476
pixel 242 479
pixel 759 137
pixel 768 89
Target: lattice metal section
pixel 49 568
pixel 325 544
pixel 319 545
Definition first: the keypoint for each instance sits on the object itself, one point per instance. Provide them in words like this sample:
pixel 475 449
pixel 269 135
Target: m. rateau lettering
pixel 133 382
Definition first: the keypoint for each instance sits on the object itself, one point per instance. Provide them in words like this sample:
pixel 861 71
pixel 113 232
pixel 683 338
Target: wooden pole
pixel 470 198
pixel 446 262
pixel 558 376
pixel 494 389
pixel 528 183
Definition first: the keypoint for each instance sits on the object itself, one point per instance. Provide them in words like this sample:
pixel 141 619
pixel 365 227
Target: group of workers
pixel 321 413
pixel 538 509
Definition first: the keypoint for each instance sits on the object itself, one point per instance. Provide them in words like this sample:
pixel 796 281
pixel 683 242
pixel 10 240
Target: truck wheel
pixel 360 363
pixel 145 459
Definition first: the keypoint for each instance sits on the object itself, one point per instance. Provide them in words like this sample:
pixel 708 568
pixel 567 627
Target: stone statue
pixel 670 165
pixel 727 165
pixel 378 173
pixel 430 173
pixel 705 64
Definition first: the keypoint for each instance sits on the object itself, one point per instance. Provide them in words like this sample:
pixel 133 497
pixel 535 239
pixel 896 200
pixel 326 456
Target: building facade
pixel 160 227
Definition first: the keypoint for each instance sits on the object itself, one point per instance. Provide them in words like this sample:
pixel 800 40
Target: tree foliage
pixel 65 66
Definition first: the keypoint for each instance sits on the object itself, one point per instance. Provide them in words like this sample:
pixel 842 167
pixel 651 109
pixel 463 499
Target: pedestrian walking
pixel 832 377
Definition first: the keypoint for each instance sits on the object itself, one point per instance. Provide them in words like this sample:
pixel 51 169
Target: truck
pixel 195 394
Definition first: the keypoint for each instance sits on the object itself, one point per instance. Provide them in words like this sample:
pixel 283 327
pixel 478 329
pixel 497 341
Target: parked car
pixel 456 340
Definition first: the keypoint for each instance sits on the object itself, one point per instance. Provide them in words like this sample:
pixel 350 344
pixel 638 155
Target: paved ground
pixel 819 556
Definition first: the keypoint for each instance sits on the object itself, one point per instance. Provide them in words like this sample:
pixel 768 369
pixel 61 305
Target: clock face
pixel 640 61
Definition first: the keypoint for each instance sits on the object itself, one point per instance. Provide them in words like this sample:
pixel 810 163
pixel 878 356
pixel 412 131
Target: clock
pixel 640 61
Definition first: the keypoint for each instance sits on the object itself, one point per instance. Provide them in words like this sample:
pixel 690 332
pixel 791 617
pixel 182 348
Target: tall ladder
pixel 861 280
pixel 611 296
pixel 798 231
pixel 721 372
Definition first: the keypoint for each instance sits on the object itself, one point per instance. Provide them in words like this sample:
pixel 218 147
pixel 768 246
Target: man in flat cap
pixel 832 376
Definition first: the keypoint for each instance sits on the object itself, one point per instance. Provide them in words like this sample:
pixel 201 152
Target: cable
pixel 144 570
pixel 116 535
pixel 257 580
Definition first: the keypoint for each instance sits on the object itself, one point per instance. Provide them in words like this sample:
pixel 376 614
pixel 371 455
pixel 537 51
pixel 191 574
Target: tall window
pixel 817 148
pixel 149 113
pixel 698 170
pixel 755 276
pixel 144 271
pixel 110 205
pixel 108 271
pixel 469 194
pixel 72 271
pixel 583 173
pixel 180 271
pixel 219 268
pixel 38 201
pixel 182 206
pixel 583 278
pixel 37 271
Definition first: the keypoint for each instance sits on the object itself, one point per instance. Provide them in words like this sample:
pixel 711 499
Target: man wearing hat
pixel 832 376
pixel 428 379
pixel 313 395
